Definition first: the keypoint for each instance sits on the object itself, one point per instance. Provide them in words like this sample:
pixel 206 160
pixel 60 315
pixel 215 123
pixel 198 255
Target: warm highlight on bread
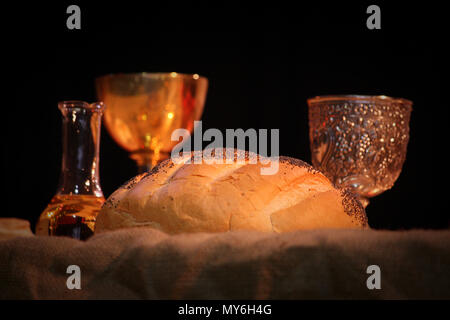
pixel 177 198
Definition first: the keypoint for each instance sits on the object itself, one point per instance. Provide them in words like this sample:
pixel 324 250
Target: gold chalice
pixel 143 109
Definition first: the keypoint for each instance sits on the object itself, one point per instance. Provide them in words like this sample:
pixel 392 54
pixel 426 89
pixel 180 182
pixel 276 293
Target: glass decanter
pixel 74 208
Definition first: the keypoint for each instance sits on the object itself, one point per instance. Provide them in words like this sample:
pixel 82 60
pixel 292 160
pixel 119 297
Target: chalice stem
pixel 364 201
pixel 147 159
pixel 146 167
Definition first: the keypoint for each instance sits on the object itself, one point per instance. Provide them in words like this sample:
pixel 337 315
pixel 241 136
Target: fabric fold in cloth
pixel 143 263
pixel 13 227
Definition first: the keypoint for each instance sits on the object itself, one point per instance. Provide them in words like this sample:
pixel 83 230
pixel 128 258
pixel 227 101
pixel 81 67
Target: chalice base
pixel 147 159
pixel 364 201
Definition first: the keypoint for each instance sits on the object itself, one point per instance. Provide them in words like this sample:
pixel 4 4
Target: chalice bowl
pixel 359 141
pixel 145 108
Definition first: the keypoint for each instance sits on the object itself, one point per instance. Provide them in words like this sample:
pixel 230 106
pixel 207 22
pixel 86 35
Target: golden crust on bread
pixel 188 197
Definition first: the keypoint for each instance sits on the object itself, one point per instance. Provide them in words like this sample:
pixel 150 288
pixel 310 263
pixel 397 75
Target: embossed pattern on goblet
pixel 359 141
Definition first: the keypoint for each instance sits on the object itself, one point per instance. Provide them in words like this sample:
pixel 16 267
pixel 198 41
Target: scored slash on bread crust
pixel 189 197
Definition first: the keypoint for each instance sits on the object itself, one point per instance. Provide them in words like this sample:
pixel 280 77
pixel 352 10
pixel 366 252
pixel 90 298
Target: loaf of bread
pixel 188 197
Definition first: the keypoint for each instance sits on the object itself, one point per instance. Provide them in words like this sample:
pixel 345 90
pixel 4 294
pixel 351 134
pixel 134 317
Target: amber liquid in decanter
pixel 73 210
pixel 72 215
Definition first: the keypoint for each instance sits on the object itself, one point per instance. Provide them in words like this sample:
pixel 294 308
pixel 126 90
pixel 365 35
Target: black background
pixel 262 63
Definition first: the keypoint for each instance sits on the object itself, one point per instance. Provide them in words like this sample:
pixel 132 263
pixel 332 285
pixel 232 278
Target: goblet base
pixel 147 159
pixel 364 201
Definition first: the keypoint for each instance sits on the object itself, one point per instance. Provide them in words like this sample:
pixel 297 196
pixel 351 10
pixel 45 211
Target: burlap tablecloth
pixel 145 263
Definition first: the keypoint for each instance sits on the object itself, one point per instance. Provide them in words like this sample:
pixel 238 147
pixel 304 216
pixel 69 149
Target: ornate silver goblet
pixel 359 141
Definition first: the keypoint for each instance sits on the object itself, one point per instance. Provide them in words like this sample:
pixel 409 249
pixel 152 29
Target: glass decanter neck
pixel 81 143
